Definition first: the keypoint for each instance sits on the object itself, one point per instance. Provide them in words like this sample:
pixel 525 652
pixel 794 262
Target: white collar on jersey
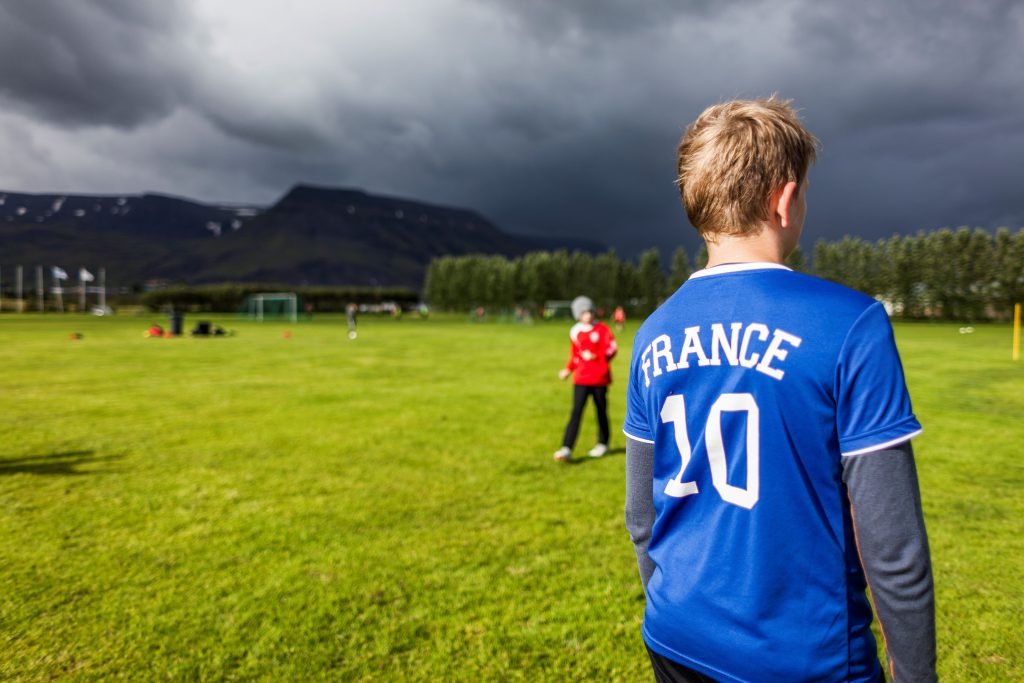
pixel 579 327
pixel 738 268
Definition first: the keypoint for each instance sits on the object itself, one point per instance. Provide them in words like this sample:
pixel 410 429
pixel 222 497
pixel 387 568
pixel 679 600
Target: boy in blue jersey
pixel 770 477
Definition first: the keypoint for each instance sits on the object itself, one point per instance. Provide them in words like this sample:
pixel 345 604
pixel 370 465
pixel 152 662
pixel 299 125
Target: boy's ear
pixel 782 200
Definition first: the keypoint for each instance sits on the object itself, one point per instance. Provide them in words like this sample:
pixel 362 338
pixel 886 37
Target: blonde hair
pixel 733 157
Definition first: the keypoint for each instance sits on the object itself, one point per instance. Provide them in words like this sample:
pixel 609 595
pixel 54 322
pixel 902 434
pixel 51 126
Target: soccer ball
pixel 352 334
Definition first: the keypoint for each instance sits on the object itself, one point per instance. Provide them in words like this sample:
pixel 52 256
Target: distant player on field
pixel 770 478
pixel 620 318
pixel 350 315
pixel 591 348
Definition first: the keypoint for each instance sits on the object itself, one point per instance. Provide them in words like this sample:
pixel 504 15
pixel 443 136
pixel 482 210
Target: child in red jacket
pixel 592 348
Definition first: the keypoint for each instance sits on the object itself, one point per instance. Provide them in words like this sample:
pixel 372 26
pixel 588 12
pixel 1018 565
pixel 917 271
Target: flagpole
pixel 59 291
pixel 40 294
pixel 103 288
pixel 20 291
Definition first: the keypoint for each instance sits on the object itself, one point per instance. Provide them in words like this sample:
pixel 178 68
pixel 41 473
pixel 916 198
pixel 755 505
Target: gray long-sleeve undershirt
pixel 640 502
pixel 893 544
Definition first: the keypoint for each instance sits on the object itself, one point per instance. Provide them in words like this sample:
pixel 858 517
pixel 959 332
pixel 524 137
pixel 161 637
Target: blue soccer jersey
pixel 752 382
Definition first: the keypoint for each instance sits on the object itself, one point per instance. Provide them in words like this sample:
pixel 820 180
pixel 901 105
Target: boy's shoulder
pixel 765 292
pixel 748 282
pixel 816 290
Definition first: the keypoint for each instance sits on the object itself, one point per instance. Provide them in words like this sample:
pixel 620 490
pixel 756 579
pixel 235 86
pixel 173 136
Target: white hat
pixel 581 304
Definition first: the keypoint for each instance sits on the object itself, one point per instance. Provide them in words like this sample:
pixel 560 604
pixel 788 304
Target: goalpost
pixel 272 305
pixel 1015 353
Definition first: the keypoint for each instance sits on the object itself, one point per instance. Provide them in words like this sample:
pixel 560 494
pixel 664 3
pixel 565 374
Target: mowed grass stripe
pixel 262 507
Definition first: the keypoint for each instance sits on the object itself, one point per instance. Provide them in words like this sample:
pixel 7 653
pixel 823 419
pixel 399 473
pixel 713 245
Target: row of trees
pixel 963 274
pixel 464 282
pixel 954 275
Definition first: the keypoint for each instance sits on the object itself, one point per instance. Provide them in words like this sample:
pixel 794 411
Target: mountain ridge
pixel 312 235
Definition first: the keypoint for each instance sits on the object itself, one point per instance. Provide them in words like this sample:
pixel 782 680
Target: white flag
pixel 84 275
pixel 58 273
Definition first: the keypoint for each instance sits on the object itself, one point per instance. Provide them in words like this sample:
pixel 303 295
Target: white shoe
pixel 598 451
pixel 563 454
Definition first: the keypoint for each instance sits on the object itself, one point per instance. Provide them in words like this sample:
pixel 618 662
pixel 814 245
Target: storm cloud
pixel 549 118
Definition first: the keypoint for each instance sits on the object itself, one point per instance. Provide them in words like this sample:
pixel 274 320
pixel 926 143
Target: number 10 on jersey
pixel 673 412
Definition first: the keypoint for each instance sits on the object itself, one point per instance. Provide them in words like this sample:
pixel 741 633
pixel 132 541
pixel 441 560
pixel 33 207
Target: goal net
pixel 272 305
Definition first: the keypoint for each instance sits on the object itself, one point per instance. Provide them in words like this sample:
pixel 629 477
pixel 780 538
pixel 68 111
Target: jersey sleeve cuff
pixel 879 440
pixel 637 438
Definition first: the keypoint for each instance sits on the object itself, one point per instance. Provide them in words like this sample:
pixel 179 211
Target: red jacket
pixel 592 348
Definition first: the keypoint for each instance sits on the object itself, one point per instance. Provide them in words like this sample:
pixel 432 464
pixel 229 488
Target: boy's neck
pixel 764 247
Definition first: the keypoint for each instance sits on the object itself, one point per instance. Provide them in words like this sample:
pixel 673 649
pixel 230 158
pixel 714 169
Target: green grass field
pixel 309 508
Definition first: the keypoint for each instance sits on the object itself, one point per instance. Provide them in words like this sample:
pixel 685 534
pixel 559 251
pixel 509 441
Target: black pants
pixel 668 671
pixel 579 399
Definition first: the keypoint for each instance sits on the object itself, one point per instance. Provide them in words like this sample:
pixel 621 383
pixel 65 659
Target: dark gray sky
pixel 547 117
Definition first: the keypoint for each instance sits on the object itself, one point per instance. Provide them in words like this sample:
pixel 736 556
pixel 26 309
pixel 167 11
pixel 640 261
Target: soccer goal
pixel 272 305
pixel 557 309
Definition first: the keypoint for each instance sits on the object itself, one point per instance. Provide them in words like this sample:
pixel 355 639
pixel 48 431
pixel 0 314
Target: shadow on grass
pixel 64 463
pixel 587 459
